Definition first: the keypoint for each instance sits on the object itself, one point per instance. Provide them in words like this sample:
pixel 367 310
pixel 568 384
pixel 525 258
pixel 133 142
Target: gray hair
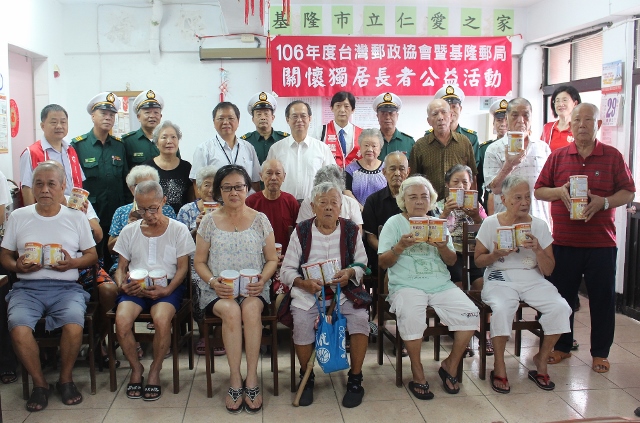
pixel 141 171
pixel 207 172
pixel 325 187
pixel 264 164
pixel 513 181
pixel 49 167
pixel 393 154
pixel 371 133
pixel 416 180
pixel 330 173
pixel 164 125
pixel 148 187
pixel 516 102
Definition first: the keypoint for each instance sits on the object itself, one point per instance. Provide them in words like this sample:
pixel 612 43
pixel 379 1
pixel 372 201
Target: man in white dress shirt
pixel 225 148
pixel 340 134
pixel 299 153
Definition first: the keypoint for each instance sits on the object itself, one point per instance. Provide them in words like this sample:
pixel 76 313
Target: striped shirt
pixel 607 174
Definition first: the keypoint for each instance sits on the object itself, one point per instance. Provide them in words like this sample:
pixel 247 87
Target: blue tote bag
pixel 331 338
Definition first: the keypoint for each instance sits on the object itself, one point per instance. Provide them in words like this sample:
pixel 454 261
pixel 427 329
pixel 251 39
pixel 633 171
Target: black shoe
pixel 306 398
pixel 355 392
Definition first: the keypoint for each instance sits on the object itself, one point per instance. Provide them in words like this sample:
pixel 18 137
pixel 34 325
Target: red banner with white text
pixel 368 66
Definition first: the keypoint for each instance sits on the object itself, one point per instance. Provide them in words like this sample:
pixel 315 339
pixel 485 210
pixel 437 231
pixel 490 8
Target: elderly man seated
pixel 418 277
pixel 154 242
pixel 517 274
pixel 47 288
pixel 318 239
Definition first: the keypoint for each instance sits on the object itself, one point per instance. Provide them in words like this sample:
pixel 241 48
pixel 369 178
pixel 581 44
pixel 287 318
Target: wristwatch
pixel 606 203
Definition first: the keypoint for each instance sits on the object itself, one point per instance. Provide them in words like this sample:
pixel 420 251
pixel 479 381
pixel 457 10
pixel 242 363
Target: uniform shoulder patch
pixel 471 131
pixel 80 137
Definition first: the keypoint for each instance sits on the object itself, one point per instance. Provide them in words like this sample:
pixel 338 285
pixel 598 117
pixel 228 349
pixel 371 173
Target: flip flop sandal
pixel 252 394
pixel 557 356
pixel 39 397
pixel 154 392
pixel 445 376
pixel 8 377
pixel 200 347
pixel 68 392
pixel 600 361
pixel 235 394
pixel 543 381
pixel 414 386
pixel 499 379
pixel 135 388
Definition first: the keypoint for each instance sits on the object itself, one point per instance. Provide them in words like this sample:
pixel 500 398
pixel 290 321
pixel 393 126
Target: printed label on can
pixel 247 276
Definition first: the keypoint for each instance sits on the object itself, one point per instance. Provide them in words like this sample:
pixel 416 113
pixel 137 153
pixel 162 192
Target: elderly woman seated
pixel 234 238
pixel 155 242
pixel 324 237
pixel 350 208
pixel 418 277
pixel 517 274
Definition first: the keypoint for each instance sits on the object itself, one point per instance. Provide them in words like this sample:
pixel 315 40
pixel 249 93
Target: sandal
pixel 445 376
pixel 8 377
pixel 235 394
pixel 557 356
pixel 200 347
pixel 252 394
pixel 600 362
pixel 135 388
pixel 503 380
pixel 69 393
pixel 543 381
pixel 414 386
pixel 39 398
pixel 152 392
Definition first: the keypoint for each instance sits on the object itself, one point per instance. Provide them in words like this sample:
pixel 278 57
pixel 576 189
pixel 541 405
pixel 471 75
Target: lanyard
pixel 225 153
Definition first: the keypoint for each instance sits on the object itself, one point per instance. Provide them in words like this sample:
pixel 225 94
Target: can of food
pixel 515 141
pixel 577 208
pixel 139 276
pixel 312 271
pixel 521 231
pixel 247 276
pixel 506 237
pixel 278 249
pixel 77 198
pixel 158 277
pixel 437 232
pixel 32 253
pixel 578 186
pixel 51 254
pixel 231 278
pixel 470 199
pixel 329 269
pixel 210 206
pixel 419 228
pixel 458 195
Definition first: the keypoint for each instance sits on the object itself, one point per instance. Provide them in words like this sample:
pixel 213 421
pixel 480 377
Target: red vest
pixel 38 155
pixel 331 139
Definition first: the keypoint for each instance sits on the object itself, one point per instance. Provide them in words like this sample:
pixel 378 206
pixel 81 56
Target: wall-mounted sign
pixel 612 77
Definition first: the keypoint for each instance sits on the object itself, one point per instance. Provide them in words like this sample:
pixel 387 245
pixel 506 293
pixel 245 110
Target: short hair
pixel 49 167
pixel 393 154
pixel 573 93
pixel 225 171
pixel 416 180
pixel 455 169
pixel 330 173
pixel 512 181
pixel 371 133
pixel 206 172
pixel 293 103
pixel 263 167
pixel 516 102
pixel 44 114
pixel 225 105
pixel 342 96
pixel 149 187
pixel 325 187
pixel 164 125
pixel 141 171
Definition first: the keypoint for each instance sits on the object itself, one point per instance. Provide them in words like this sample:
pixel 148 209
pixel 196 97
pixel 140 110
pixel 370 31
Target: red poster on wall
pixel 368 66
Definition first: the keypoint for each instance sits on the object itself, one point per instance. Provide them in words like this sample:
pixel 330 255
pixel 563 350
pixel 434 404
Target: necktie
pixel 343 142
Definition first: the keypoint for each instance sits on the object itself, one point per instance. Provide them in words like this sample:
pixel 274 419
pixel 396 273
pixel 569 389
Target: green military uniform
pixel 105 168
pixel 139 148
pixel 482 150
pixel 471 135
pixel 262 145
pixel 398 142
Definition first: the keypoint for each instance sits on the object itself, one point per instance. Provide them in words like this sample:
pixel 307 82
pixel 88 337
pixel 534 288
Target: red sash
pixel 331 139
pixel 38 156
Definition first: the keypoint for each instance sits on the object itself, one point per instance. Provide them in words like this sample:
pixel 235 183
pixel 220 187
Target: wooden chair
pixel 269 317
pixel 436 330
pixel 519 323
pixel 181 334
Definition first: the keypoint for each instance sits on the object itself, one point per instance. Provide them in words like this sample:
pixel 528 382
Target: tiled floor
pixel 579 392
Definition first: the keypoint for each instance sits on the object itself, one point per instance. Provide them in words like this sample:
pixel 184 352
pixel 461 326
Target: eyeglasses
pixel 151 210
pixel 228 188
